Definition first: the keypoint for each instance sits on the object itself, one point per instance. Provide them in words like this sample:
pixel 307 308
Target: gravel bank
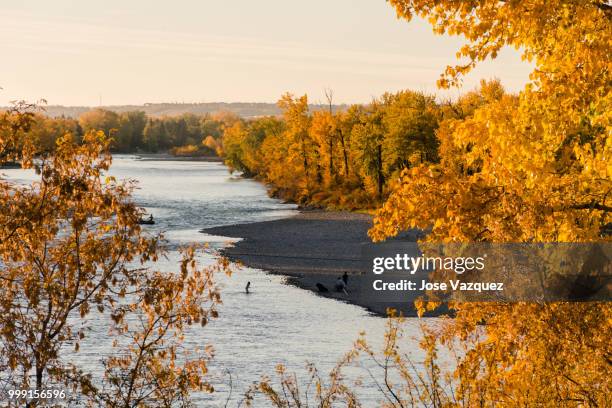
pixel 313 247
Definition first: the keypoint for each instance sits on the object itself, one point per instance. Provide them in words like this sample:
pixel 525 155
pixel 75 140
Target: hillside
pixel 243 109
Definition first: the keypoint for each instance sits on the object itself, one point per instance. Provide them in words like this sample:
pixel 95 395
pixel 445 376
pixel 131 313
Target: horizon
pixel 460 92
pixel 113 54
pixel 186 103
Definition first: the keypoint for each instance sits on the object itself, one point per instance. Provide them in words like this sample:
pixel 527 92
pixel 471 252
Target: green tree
pixel 129 136
pixel 369 138
pixel 153 135
pixel 410 121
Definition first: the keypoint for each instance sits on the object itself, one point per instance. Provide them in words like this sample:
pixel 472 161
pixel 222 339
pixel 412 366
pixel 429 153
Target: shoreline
pixel 169 157
pixel 314 246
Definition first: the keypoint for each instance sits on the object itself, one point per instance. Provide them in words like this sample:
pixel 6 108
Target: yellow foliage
pixel 530 169
pixel 343 160
pixel 70 243
pixel 187 150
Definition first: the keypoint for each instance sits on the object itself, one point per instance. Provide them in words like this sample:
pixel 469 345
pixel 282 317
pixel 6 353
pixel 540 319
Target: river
pixel 277 323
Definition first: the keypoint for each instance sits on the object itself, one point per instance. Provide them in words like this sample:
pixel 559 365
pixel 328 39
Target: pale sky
pixel 76 52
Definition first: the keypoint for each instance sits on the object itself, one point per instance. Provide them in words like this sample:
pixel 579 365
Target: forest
pixel 349 159
pixel 134 131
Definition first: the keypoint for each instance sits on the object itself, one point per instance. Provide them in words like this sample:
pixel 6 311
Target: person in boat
pixel 148 221
pixel 345 278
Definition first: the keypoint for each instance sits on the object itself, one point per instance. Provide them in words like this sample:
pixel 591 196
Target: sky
pixel 115 52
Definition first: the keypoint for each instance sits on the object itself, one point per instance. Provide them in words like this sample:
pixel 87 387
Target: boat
pixel 148 221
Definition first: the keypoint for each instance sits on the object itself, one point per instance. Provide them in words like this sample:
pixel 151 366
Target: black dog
pixel 322 287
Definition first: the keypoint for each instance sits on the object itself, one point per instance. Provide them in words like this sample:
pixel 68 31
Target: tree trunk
pixel 344 155
pixel 304 156
pixel 381 177
pixel 331 157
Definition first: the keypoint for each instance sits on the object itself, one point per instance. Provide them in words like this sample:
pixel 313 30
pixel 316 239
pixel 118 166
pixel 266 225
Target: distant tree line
pixel 345 159
pixel 242 109
pixel 186 134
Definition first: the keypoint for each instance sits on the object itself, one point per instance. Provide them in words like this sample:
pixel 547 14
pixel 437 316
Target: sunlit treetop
pixel 562 37
pixel 534 167
pixel 568 41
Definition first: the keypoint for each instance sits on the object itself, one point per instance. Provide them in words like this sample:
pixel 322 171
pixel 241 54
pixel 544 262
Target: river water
pixel 277 323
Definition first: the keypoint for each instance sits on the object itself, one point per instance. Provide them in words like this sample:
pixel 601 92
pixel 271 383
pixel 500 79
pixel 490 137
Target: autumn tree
pixel 100 119
pixel 336 159
pixel 258 131
pixel 45 130
pixel 324 133
pixel 316 392
pixel 532 168
pixel 346 122
pixel 213 145
pixel 233 152
pixel 71 250
pixel 297 120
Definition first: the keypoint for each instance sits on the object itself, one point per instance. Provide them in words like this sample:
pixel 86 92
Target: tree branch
pixel 592 206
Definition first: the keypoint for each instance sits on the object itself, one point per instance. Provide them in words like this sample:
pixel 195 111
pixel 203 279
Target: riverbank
pixel 170 157
pixel 313 247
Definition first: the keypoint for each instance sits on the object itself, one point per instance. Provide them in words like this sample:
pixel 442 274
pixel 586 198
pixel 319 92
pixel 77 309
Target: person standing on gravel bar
pixel 340 285
pixel 248 285
pixel 345 278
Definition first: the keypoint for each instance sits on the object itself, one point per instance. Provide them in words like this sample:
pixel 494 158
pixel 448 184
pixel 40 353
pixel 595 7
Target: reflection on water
pixel 276 323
